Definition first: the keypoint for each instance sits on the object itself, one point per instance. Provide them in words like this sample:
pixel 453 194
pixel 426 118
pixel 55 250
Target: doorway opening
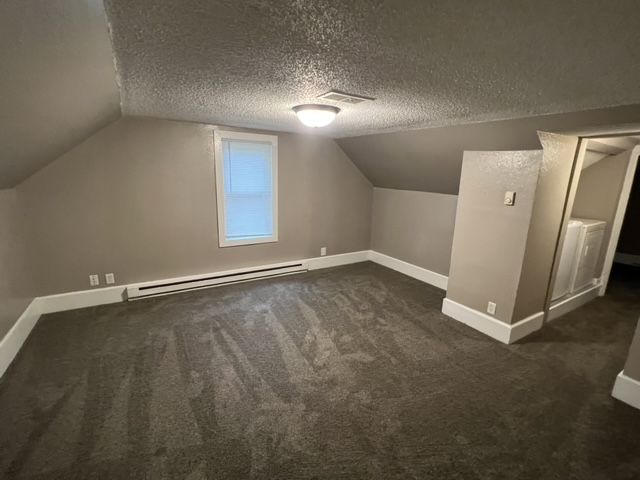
pixel 626 262
pixel 596 211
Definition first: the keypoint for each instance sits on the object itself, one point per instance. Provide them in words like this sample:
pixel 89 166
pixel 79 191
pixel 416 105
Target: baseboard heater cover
pixel 192 283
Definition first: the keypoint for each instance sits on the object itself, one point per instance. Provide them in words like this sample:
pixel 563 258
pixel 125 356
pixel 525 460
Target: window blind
pixel 248 189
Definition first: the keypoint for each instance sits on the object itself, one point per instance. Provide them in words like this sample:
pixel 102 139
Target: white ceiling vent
pixel 342 97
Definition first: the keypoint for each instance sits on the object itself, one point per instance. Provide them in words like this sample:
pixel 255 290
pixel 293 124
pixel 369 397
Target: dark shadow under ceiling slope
pixel 430 160
pixel 58 82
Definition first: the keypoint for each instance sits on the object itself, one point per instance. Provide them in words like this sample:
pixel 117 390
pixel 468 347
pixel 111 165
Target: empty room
pixel 296 239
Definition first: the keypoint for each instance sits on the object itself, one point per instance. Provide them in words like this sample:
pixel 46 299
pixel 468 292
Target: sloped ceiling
pixel 430 160
pixel 427 62
pixel 57 81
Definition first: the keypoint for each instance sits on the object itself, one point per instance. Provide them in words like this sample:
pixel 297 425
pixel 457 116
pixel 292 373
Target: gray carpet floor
pixel 345 373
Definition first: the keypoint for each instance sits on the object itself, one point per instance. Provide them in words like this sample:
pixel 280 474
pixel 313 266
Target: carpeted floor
pixel 346 373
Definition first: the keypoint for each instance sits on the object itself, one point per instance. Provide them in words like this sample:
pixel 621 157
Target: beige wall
pixel 58 81
pixel 15 275
pixel 416 227
pixel 138 199
pixel 546 223
pixel 490 238
pixel 598 194
pixel 632 367
pixel 430 159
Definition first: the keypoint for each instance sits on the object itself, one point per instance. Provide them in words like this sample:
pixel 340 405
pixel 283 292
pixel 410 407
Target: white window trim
pixel 218 136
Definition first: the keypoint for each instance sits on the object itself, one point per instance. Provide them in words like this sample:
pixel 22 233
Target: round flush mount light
pixel 316 115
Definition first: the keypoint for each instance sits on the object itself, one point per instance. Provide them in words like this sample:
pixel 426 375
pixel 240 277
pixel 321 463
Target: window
pixel 247 188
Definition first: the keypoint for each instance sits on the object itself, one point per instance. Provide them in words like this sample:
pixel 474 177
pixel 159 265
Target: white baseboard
pixel 419 273
pixel 14 339
pixel 526 326
pixel 102 296
pixel 490 326
pixel 80 299
pixel 11 343
pixel 571 303
pixel 627 259
pixel 627 390
pixel 336 260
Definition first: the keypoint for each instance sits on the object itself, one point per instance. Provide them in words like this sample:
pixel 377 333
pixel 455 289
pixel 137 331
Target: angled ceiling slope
pixel 430 160
pixel 58 82
pixel 427 62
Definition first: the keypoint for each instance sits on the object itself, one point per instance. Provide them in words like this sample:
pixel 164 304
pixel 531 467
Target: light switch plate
pixel 510 199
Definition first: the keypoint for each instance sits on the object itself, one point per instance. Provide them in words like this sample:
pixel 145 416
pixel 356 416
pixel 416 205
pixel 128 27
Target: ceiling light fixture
pixel 316 115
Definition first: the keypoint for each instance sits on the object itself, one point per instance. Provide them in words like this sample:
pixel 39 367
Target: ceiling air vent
pixel 341 97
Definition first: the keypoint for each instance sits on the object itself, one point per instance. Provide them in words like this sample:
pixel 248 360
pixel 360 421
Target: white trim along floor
pixel 14 339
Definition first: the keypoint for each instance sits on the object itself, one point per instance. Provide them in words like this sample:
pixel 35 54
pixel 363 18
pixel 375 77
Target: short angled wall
pixel 627 390
pixel 414 227
pixel 496 329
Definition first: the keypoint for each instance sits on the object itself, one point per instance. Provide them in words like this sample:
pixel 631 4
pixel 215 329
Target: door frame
pixel 618 219
pixel 583 136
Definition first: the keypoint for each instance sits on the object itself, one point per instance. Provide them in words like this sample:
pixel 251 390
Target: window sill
pixel 247 241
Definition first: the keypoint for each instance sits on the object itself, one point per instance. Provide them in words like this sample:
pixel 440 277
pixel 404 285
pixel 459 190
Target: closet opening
pixel 600 239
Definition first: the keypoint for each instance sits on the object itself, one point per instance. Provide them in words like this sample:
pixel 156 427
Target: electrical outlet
pixel 491 308
pixel 109 278
pixel 323 251
pixel 94 280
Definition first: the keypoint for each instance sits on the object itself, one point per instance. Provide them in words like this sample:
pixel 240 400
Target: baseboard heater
pixel 204 281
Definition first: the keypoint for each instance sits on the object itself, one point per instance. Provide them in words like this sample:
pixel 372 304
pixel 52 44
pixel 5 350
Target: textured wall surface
pixel 430 159
pixel 416 227
pixel 138 199
pixel 57 82
pixel 15 273
pixel 427 63
pixel 490 238
pixel 559 152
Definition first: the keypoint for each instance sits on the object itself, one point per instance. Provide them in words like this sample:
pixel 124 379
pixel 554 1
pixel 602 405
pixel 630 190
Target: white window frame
pixel 218 137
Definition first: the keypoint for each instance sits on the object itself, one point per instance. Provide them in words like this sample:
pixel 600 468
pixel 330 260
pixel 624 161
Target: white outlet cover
pixel 323 251
pixel 94 280
pixel 491 308
pixel 109 278
pixel 510 199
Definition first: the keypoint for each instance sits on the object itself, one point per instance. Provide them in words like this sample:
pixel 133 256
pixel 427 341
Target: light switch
pixel 510 199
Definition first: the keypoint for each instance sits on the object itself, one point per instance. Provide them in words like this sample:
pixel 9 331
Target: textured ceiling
pixel 431 159
pixel 57 81
pixel 427 62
